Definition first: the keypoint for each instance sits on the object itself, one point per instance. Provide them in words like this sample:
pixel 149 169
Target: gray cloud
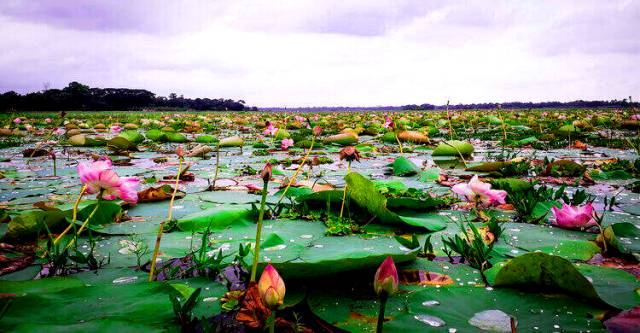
pixel 303 52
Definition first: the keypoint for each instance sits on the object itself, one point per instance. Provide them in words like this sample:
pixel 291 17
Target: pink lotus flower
pixel 387 122
pixel 270 130
pixel 635 117
pixel 386 278
pixel 300 119
pixel 99 178
pixel 286 143
pixel 129 189
pixel 573 216
pixel 48 120
pixel 59 131
pixel 17 121
pixel 478 191
pixel 28 127
pixel 115 129
pixel 271 287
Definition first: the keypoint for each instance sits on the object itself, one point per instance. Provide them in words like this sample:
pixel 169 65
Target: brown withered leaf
pixel 252 312
pixel 423 278
pixel 11 265
pixel 160 193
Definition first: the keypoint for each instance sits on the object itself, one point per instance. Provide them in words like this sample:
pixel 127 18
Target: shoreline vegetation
pixel 79 97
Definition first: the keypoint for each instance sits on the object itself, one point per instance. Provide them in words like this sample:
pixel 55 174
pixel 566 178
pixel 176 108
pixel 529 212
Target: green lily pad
pixel 234 141
pixel 453 148
pixel 404 167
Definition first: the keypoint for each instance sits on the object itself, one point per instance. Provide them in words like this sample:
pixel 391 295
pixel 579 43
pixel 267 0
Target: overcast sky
pixel 328 52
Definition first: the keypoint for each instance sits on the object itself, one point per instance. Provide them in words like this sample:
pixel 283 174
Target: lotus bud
pixel 317 131
pixel 271 287
pixel 385 282
pixel 180 151
pixel 266 172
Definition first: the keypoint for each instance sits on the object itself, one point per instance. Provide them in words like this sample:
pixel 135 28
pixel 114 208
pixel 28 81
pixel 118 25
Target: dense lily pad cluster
pixel 463 221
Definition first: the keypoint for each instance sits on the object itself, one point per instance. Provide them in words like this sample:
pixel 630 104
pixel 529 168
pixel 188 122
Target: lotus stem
pixel 272 324
pixel 399 143
pixel 161 229
pixel 55 168
pixel 293 179
pixel 74 216
pixel 344 194
pixel 383 305
pixel 450 125
pixel 215 176
pixel 86 222
pixel 256 251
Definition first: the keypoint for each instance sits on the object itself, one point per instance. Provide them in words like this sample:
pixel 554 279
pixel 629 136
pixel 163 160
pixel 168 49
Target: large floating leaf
pixel 621 237
pixel 132 136
pixel 615 286
pixel 569 244
pixel 354 308
pixel 343 139
pixel 453 148
pixel 30 223
pixel 404 167
pixel 218 218
pixel 82 140
pixel 364 193
pixel 138 304
pixel 176 137
pixel 413 137
pixel 540 271
pixel 234 141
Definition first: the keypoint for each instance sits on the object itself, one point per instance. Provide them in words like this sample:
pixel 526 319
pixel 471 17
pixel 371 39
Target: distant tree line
pixel 624 103
pixel 77 96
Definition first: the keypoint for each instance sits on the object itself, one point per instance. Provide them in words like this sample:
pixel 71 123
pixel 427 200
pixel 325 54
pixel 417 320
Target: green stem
pixel 383 305
pixel 156 248
pixel 272 324
pixel 86 222
pixel 256 251
pixel 344 194
pixel 399 143
pixel 74 216
pixel 215 177
pixel 293 179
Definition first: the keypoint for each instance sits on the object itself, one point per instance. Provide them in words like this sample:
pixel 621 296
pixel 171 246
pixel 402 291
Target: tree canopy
pixel 77 96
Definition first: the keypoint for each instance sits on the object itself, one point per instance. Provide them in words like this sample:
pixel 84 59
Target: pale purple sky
pixel 328 52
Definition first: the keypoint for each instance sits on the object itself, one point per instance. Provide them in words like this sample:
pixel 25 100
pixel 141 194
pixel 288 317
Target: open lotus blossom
pixel 286 143
pixel 129 189
pixel 270 130
pixel 300 119
pixel 115 129
pixel 48 120
pixel 98 177
pixel 17 121
pixel 635 117
pixel 481 192
pixel 28 127
pixel 573 216
pixel 386 278
pixel 271 287
pixel 59 131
